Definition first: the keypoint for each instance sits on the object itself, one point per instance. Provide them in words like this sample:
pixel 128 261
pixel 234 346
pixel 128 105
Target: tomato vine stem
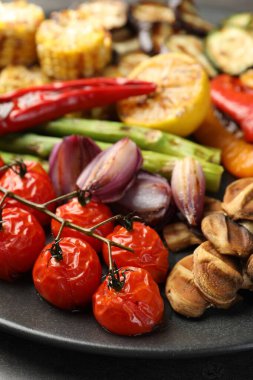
pixel 43 208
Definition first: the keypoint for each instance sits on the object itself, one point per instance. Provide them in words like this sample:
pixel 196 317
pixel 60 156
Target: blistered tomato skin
pixel 35 186
pixel 134 310
pixel 68 283
pixel 84 216
pixel 149 250
pixel 21 240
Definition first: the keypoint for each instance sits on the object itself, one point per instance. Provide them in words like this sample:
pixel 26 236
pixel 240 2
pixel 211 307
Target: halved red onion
pixel 188 188
pixel 67 161
pixel 110 174
pixel 148 197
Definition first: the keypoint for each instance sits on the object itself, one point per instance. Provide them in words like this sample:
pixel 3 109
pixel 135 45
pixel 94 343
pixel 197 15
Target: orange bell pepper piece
pixel 237 154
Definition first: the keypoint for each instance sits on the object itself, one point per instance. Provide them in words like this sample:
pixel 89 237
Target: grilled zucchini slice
pixel 152 12
pixel 111 14
pixel 192 46
pixel 241 20
pixel 230 49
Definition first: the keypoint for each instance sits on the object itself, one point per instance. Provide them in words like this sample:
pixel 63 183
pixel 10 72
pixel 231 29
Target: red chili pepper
pixel 231 97
pixel 28 107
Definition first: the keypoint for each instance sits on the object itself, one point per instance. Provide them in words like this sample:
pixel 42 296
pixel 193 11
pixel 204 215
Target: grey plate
pixel 24 313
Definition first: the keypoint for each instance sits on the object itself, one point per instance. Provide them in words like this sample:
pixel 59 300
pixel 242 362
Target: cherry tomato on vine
pixel 149 250
pixel 34 186
pixel 135 309
pixel 70 282
pixel 84 216
pixel 21 240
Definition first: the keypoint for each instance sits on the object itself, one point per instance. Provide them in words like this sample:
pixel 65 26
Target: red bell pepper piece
pixel 230 96
pixel 28 107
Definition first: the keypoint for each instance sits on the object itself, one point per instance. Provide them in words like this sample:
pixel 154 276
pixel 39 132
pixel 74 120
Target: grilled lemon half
pixel 181 100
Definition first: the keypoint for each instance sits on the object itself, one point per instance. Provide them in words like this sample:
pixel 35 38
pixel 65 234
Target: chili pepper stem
pixel 43 209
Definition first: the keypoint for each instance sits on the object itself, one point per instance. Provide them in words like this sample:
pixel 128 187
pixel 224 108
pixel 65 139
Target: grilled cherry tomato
pixel 21 240
pixel 68 283
pixel 84 216
pixel 135 309
pixel 149 251
pixel 34 186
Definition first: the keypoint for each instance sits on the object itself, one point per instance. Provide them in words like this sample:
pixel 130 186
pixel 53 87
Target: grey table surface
pixel 24 359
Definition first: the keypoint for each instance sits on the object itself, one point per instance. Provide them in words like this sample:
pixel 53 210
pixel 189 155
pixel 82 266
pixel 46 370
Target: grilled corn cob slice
pixel 16 77
pixel 71 46
pixel 19 21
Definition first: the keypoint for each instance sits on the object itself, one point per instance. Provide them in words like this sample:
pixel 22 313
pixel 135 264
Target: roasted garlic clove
pixel 179 236
pixel 211 205
pixel 188 189
pixel 235 188
pixel 182 293
pixel 238 200
pixel 228 237
pixel 217 276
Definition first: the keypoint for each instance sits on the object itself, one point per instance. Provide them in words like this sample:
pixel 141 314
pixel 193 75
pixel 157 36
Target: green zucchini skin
pixel 241 20
pixel 230 49
pixel 194 47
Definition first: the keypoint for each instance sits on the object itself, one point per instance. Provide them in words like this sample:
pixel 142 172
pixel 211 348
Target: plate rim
pixel 112 350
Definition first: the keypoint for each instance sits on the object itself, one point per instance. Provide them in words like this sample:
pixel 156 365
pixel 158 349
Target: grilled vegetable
pixel 16 77
pixel 193 46
pixel 181 100
pixel 109 131
pixel 160 34
pixel 153 22
pixel 154 162
pixel 19 21
pixel 241 20
pixel 126 64
pixel 28 107
pixel 127 46
pixel 195 24
pixel 110 14
pixel 187 17
pixel 237 154
pixel 151 12
pixel 247 78
pixel 71 46
pixel 230 49
pixel 230 96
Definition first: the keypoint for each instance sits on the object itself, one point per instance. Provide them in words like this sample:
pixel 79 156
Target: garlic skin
pixel 188 189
